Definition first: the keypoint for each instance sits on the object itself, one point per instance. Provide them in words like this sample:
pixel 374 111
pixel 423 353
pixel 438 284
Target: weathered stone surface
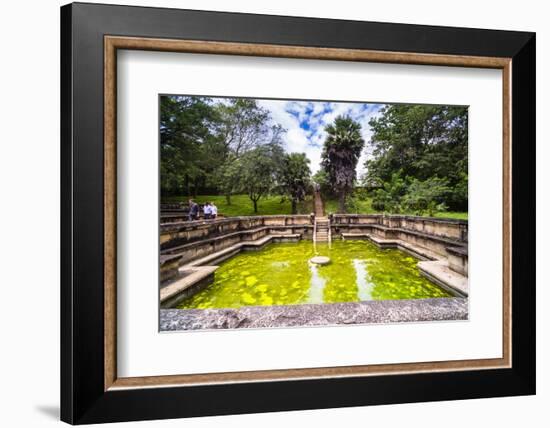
pixel 368 312
pixel 439 272
pixel 320 260
pixel 190 281
pixel 458 259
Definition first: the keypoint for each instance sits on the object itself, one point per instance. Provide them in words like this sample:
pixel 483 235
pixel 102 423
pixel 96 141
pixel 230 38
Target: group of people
pixel 210 210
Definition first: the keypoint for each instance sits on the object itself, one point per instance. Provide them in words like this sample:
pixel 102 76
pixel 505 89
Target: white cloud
pixel 291 114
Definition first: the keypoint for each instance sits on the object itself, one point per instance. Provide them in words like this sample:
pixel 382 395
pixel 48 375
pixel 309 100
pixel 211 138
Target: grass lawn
pixel 452 214
pixel 361 207
pixel 241 205
pixel 365 207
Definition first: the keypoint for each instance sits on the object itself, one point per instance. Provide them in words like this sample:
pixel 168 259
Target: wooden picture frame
pixel 91 390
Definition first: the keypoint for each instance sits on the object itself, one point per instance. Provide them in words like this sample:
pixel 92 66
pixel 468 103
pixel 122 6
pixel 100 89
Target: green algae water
pixel 281 274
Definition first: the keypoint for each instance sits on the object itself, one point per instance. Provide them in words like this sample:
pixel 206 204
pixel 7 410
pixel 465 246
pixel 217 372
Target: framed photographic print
pixel 265 213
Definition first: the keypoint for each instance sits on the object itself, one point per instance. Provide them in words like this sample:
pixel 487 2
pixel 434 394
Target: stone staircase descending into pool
pixel 322 229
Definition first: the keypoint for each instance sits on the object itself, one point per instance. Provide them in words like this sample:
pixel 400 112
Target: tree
pixel 340 155
pixel 389 196
pixel 243 126
pixel 229 178
pixel 426 196
pixel 188 145
pixel 295 178
pixel 410 195
pixel 204 139
pixel 422 141
pixel 258 171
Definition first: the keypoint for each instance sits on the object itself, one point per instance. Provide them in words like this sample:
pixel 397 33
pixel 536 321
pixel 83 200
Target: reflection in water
pixel 317 285
pixel 280 265
pixel 362 279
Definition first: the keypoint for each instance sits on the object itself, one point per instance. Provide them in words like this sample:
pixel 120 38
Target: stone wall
pixel 194 240
pixel 446 228
pixel 179 233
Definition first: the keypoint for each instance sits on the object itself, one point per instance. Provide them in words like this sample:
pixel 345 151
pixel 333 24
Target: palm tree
pixel 341 153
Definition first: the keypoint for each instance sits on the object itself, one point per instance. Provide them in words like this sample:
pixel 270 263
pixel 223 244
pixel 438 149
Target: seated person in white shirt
pixel 207 209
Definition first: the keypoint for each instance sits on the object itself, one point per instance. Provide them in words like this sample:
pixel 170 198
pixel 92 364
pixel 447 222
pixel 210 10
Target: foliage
pixel 321 179
pixel 241 206
pixel 185 138
pixel 259 170
pixel 426 196
pixel 201 139
pixel 417 163
pixel 340 155
pixel 229 178
pixel 243 124
pixel 389 197
pixel 295 178
pixel 231 146
pixel 412 196
pixel 422 142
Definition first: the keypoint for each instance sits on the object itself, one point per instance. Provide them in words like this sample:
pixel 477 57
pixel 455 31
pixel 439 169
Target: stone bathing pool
pixel 281 274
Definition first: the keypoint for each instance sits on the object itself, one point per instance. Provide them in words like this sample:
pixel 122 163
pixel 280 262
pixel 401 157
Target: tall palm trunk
pixel 342 202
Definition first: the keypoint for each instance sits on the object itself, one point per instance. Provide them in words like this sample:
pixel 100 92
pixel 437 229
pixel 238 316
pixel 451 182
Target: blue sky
pixel 305 123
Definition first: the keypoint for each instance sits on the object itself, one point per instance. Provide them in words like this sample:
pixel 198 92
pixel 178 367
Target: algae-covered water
pixel 281 274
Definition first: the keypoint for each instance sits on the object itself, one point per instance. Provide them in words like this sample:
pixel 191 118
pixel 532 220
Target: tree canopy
pixel 186 141
pixel 423 144
pixel 295 178
pixel 417 155
pixel 229 147
pixel 260 170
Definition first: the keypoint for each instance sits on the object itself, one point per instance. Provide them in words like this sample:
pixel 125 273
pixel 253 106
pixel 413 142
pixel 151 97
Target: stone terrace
pixel 192 249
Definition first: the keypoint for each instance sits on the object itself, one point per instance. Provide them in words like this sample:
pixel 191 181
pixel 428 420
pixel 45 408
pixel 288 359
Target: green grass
pixel 452 214
pixel 363 206
pixel 241 205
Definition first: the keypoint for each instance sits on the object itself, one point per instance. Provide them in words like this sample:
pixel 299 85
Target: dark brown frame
pixel 91 391
pixel 114 43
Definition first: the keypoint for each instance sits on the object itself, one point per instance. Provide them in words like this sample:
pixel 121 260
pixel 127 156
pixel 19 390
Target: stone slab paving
pixel 367 312
pixel 190 276
pixel 440 273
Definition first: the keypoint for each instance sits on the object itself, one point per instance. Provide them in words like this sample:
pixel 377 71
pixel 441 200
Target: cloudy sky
pixel 305 123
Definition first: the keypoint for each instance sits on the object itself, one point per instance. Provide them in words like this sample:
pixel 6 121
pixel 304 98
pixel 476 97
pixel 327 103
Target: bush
pixel 411 195
pixel 388 198
pixel 426 196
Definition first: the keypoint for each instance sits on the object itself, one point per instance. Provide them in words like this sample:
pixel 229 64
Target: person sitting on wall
pixel 207 209
pixel 213 210
pixel 193 210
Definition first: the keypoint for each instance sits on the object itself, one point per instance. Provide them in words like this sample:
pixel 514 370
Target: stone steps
pixel 431 265
pixel 439 272
pixel 322 227
pixel 191 277
pixel 228 252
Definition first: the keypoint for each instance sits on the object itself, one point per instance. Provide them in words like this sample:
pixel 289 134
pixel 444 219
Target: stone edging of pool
pixel 431 265
pixel 309 315
pixel 194 276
